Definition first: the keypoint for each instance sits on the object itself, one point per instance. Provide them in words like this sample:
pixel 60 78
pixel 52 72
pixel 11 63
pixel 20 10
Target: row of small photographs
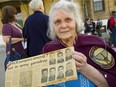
pixel 50 74
pixel 60 57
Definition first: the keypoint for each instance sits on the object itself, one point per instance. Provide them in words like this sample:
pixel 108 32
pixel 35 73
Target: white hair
pixel 67 6
pixel 34 4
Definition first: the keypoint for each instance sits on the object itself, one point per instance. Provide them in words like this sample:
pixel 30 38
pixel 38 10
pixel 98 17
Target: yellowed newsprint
pixel 42 70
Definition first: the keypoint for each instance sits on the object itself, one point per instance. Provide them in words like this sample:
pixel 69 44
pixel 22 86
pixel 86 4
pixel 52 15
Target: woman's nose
pixel 63 25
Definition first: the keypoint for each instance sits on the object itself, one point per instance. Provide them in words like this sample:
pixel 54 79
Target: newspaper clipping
pixel 42 70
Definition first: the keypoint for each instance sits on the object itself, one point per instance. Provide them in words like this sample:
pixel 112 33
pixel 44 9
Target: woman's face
pixel 15 16
pixel 64 24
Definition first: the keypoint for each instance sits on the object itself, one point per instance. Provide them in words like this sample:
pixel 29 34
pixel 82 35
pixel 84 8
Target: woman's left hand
pixel 83 67
pixel 80 60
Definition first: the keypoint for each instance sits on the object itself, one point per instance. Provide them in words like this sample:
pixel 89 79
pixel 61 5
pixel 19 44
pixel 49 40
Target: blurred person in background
pixel 88 26
pixel 112 28
pixel 98 27
pixel 11 29
pixel 93 28
pixel 35 28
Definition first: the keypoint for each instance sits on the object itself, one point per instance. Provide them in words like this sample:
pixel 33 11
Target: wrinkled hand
pixel 9 63
pixel 80 60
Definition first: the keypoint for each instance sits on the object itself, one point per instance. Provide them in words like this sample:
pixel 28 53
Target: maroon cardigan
pixel 86 44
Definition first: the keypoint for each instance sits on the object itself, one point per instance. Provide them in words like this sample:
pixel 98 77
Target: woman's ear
pixel 41 8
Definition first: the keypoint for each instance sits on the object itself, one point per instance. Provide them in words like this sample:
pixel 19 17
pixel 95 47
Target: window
pixel 114 2
pixel 98 5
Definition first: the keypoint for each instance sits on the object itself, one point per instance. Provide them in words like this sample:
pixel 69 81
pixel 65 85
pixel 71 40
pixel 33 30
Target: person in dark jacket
pixel 93 28
pixel 88 26
pixel 35 28
pixel 98 27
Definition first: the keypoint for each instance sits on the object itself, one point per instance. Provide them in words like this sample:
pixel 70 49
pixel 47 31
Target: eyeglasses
pixel 15 13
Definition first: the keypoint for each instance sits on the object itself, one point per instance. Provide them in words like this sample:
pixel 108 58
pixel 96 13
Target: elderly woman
pixel 95 61
pixel 35 28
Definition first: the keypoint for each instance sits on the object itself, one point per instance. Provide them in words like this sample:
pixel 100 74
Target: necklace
pixel 66 44
pixel 63 43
